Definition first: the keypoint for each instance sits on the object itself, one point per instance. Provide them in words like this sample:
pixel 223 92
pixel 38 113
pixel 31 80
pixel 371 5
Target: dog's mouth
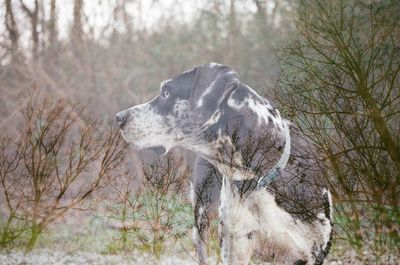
pixel 159 150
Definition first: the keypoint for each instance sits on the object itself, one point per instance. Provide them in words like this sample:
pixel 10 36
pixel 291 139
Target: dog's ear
pixel 211 84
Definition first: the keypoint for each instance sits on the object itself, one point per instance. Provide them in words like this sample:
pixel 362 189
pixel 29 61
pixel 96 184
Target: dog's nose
pixel 122 117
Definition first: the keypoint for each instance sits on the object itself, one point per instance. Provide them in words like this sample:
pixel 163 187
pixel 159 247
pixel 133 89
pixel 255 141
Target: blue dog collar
pixel 273 174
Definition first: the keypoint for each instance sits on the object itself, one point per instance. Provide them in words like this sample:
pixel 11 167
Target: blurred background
pixel 69 184
pixel 108 55
pixel 113 54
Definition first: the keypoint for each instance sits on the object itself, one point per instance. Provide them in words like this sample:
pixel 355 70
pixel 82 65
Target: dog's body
pixel 260 174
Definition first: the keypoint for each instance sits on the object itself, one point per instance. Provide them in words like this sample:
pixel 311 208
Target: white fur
pixel 213 64
pixel 149 129
pixel 259 109
pixel 192 194
pixel 286 151
pixel 257 213
pixel 327 227
pixel 164 82
pixel 180 109
pixel 269 222
pixel 212 120
pixel 208 90
pixel 236 170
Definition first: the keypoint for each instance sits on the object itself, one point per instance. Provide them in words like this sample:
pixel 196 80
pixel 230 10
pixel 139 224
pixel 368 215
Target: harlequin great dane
pixel 257 170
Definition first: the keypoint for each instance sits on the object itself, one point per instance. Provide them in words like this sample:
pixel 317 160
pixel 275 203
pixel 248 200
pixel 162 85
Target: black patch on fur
pixel 324 252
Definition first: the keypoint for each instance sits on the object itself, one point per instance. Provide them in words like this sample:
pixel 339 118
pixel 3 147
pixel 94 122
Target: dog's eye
pixel 165 93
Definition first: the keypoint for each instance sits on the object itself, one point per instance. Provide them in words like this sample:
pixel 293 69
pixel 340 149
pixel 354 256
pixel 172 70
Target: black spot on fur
pixel 273 112
pixel 324 252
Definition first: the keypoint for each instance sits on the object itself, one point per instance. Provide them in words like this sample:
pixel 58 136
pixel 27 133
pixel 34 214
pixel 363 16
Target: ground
pixel 51 257
pixel 91 241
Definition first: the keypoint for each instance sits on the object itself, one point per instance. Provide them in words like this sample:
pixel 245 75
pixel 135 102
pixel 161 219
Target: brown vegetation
pixel 340 83
pixel 60 159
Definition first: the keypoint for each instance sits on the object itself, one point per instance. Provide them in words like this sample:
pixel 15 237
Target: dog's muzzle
pixel 122 118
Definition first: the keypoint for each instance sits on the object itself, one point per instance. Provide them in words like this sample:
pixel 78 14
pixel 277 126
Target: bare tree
pixel 122 207
pixel 52 23
pixel 232 31
pixel 76 33
pixel 164 182
pixel 11 27
pixel 9 163
pixel 155 212
pixel 34 17
pixel 341 84
pixel 261 11
pixel 61 159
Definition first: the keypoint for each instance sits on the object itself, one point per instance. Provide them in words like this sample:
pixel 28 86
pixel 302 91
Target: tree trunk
pixel 53 33
pixel 34 17
pixel 380 125
pixel 261 11
pixel 11 27
pixel 261 18
pixel 77 24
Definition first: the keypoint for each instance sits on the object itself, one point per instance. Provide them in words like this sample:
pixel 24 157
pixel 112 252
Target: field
pixel 73 191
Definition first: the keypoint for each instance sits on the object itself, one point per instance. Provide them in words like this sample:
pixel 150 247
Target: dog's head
pixel 178 115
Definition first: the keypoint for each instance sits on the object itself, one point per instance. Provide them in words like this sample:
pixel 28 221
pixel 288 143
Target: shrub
pixel 340 83
pixel 61 157
pixel 155 214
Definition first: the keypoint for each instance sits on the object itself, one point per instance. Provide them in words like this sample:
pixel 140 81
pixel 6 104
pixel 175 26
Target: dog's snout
pixel 122 117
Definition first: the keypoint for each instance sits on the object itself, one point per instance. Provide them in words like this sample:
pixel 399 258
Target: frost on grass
pixel 47 257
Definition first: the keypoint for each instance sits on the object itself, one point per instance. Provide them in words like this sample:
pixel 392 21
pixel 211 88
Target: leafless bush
pixel 60 159
pixel 155 214
pixel 121 206
pixel 340 83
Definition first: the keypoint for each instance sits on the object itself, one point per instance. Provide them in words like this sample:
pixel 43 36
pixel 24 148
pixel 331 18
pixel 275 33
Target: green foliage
pixel 42 170
pixel 12 234
pixel 156 214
